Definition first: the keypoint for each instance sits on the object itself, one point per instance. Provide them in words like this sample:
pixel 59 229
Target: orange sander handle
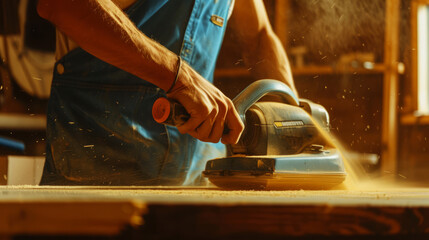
pixel 170 112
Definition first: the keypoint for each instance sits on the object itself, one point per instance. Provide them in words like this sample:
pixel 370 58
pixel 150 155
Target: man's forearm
pixel 102 29
pixel 270 60
pixel 262 51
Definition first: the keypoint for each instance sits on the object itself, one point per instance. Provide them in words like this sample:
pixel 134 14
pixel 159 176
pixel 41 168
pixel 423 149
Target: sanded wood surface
pixel 210 213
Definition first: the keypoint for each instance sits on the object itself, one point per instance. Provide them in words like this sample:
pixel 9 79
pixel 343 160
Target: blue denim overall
pixel 100 128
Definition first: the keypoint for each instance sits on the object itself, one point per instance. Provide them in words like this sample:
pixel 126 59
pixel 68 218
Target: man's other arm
pixel 262 51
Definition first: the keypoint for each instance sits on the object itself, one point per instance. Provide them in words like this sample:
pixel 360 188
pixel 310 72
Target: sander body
pixel 284 145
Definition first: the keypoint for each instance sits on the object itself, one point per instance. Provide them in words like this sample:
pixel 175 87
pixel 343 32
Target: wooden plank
pixel 210 213
pixel 366 193
pixel 326 70
pixel 411 119
pixel 193 222
pixel 390 89
pixel 16 121
pixel 77 217
pixel 281 20
pixel 306 70
pixel 413 95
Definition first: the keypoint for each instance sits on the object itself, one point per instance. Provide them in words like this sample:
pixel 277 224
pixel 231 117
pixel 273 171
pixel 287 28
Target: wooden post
pixel 3 170
pixel 280 20
pixel 413 95
pixel 390 89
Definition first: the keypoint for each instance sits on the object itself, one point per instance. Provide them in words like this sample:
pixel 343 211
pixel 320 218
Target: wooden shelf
pixel 16 121
pixel 377 68
pixel 322 70
pixel 412 119
pixel 62 217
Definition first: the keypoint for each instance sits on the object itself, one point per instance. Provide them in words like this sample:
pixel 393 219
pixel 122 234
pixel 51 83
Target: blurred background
pixel 365 61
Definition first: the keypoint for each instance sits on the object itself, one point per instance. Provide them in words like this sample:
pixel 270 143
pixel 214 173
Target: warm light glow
pixel 423 59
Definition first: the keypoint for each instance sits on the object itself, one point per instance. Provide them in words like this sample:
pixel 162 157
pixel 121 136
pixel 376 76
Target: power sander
pixel 284 144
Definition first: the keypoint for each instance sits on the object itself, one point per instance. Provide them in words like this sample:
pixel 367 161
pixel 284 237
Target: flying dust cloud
pixel 330 27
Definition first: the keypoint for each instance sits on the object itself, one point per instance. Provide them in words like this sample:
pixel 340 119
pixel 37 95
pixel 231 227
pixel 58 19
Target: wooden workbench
pixel 209 213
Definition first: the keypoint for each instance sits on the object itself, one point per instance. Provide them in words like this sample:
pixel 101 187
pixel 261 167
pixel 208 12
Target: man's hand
pixel 209 108
pixel 126 47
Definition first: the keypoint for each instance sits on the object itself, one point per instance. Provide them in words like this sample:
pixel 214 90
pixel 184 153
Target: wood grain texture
pixel 68 217
pixel 390 88
pixel 293 220
pixel 210 213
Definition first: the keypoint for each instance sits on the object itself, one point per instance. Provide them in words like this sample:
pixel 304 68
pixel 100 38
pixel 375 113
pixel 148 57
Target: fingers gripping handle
pixel 170 112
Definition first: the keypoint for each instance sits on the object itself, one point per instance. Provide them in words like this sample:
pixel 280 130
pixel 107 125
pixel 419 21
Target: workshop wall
pixel 336 50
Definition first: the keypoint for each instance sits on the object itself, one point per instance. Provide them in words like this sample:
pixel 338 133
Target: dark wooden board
pixel 207 213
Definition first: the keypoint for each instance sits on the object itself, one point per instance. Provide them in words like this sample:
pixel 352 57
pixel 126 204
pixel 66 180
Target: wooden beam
pixel 210 213
pixel 281 20
pixel 284 222
pixel 307 70
pixel 19 121
pixel 3 170
pixel 411 119
pixel 390 89
pixel 413 95
pixel 68 217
